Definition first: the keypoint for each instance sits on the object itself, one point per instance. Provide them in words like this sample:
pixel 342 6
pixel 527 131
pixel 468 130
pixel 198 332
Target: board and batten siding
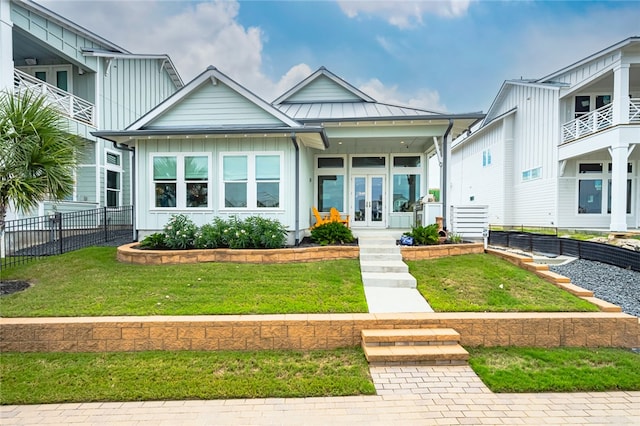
pixel 54 35
pixel 475 183
pixel 151 219
pixel 214 106
pixel 323 89
pixel 578 76
pixel 130 88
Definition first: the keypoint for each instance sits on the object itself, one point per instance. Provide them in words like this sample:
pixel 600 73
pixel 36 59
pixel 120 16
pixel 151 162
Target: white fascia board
pixel 483 129
pixel 171 68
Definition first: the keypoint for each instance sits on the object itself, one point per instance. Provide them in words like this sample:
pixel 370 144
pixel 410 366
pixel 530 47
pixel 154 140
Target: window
pixel 114 178
pixel 181 180
pixel 251 180
pixel 590 168
pixel 369 162
pixel 330 183
pixel 590 196
pixel 407 175
pixel 486 158
pixel 532 174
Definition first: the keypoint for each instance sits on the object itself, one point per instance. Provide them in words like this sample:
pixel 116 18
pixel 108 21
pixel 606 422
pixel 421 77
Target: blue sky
pixel 441 55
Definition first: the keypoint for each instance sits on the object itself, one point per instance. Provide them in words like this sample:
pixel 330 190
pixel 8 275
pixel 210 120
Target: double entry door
pixel 368 200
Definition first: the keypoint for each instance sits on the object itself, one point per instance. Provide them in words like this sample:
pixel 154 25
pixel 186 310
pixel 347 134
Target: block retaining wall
pixel 309 331
pixel 131 254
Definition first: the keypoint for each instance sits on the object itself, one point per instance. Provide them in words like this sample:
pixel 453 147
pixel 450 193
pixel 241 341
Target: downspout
pixel 133 186
pixel 445 165
pixel 297 189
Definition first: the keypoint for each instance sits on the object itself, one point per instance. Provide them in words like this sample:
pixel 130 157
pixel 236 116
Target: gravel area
pixel 615 285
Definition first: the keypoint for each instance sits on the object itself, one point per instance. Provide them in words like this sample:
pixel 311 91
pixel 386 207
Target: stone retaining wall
pixel 312 331
pixel 131 254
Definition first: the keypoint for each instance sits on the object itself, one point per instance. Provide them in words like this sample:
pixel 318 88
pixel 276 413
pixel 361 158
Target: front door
pixel 368 201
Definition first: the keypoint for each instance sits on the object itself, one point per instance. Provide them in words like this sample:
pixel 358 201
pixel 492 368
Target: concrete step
pixel 376 241
pixel 383 266
pixel 414 354
pixel 389 279
pixel 380 257
pixel 379 249
pixel 407 337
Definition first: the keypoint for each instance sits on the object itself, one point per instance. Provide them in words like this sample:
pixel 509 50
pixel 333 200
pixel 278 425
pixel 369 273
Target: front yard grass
pixel 485 283
pixel 556 370
pixel 40 378
pixel 91 282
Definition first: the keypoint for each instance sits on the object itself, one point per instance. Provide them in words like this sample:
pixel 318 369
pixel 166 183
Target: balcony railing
pixel 597 120
pixel 72 106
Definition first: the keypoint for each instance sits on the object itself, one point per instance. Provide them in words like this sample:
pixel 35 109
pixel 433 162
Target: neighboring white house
pixel 561 151
pixel 96 84
pixel 214 149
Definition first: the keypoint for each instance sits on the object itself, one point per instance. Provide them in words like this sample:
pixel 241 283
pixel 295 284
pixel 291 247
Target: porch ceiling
pixel 25 47
pixel 605 83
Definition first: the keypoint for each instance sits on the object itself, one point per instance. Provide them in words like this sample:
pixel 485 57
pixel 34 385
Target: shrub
pixel 180 232
pixel 211 235
pixel 265 233
pixel 331 233
pixel 424 235
pixel 154 242
pixel 455 238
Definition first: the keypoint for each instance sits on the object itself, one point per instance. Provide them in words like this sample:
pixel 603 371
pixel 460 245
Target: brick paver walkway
pixel 406 396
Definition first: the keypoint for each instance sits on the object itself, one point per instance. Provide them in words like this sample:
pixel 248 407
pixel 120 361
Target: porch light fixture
pixel 31 61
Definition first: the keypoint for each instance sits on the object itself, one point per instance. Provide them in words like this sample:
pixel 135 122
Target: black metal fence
pixel 553 245
pixel 28 239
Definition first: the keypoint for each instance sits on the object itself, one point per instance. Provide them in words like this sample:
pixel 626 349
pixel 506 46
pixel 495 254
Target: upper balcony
pixel 597 120
pixel 70 105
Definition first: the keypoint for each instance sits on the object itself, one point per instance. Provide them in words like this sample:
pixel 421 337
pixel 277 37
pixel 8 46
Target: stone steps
pixel 424 346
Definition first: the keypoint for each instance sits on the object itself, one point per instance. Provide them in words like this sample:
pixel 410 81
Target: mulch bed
pixel 9 287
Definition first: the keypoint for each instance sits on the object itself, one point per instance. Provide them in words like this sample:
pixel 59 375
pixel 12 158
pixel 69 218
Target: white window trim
pixel 252 183
pixel 530 171
pixel 113 168
pixel 419 171
pixel 181 182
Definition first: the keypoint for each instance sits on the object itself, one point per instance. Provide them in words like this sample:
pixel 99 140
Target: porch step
pixel 380 257
pixel 379 249
pixel 389 279
pixel 414 346
pixel 383 240
pixel 383 266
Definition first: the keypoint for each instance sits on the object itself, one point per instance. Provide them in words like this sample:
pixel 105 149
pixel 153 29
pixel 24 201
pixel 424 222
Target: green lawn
pixel 556 370
pixel 39 378
pixel 485 283
pixel 91 282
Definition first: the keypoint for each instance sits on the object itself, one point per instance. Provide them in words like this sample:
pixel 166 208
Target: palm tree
pixel 37 156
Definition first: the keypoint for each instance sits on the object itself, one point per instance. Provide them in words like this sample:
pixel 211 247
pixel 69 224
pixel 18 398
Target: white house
pixel 93 82
pixel 560 151
pixel 214 149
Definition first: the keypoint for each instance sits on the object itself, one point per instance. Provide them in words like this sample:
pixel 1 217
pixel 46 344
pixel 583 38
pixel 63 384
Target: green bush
pixel 153 242
pixel 180 233
pixel 424 235
pixel 331 233
pixel 454 238
pixel 253 232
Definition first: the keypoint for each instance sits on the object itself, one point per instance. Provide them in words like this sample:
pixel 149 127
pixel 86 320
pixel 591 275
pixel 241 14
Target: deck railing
pixel 72 106
pixel 597 120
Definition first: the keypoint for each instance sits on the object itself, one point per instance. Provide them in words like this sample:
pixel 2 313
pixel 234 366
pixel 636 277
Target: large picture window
pixel 181 180
pixel 252 180
pixel 407 174
pixel 331 183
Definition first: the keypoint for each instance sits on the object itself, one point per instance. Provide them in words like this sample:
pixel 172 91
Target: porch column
pixel 619 156
pixel 6 46
pixel 621 94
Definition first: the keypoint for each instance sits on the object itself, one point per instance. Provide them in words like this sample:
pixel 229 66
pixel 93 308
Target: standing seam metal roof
pixel 350 110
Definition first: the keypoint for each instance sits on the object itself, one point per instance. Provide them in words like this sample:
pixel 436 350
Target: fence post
pixel 104 219
pixel 58 220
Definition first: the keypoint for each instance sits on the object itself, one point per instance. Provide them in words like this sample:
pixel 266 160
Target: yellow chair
pixel 319 219
pixel 334 216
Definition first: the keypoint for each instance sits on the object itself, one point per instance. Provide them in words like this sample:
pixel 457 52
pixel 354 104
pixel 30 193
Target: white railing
pixel 599 119
pixel 634 110
pixel 72 106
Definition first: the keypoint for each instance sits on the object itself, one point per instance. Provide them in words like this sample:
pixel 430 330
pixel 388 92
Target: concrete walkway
pixel 388 286
pixel 406 396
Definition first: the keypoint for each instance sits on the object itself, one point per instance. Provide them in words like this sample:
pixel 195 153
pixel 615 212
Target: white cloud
pixel 404 14
pixel 423 99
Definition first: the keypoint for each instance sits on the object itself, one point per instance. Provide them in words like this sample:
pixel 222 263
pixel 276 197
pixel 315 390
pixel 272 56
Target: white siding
pixel 213 106
pixel 323 89
pixel 586 72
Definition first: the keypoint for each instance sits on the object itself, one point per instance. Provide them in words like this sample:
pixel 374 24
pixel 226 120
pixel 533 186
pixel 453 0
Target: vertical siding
pixel 323 89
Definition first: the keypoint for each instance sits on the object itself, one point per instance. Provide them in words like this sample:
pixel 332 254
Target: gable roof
pixel 214 104
pixel 108 49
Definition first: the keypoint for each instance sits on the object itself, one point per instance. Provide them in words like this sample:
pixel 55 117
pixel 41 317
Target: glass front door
pixel 368 201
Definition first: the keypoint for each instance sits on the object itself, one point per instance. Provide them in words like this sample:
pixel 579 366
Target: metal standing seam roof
pixel 335 111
